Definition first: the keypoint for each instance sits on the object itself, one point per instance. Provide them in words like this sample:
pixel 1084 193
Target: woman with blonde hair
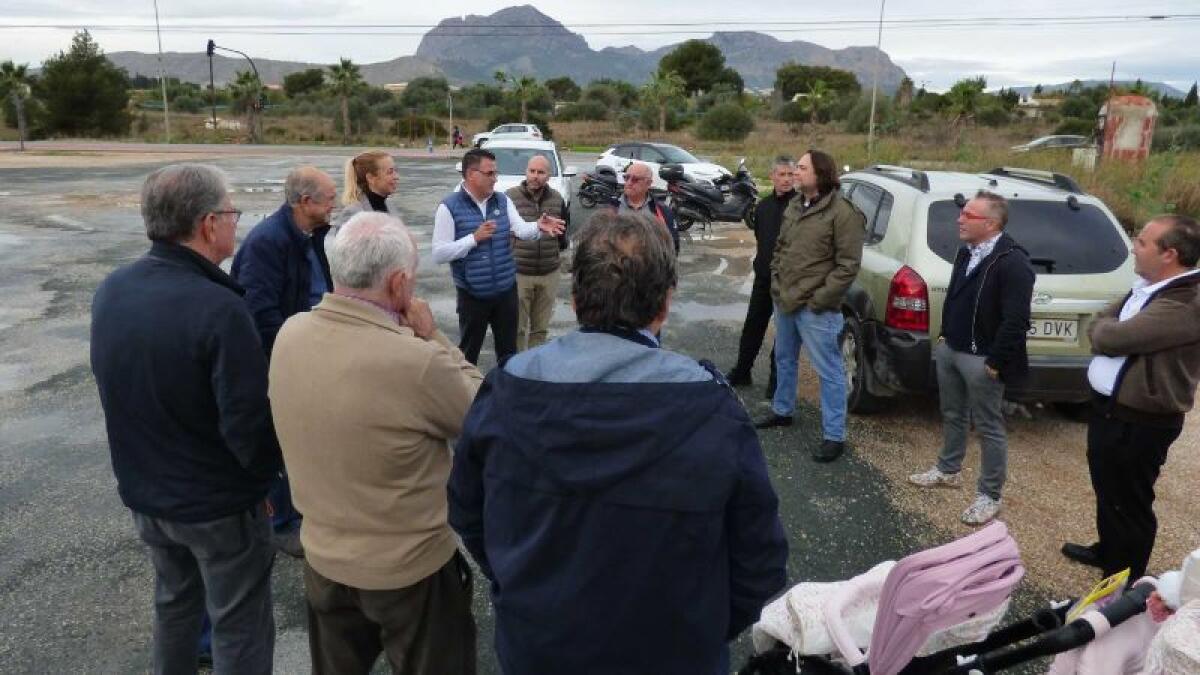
pixel 370 179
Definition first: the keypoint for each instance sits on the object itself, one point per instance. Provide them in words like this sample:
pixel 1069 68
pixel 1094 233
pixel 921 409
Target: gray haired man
pixel 981 350
pixel 183 382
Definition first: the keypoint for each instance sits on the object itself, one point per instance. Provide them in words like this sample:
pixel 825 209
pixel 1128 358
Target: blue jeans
pixel 818 332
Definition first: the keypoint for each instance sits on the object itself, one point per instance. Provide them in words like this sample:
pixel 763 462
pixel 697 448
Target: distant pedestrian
pixel 816 259
pixel 183 383
pixel 981 350
pixel 1144 378
pixel 456 138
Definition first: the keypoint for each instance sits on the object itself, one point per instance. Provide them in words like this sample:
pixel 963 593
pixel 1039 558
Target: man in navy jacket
pixel 282 266
pixel 618 537
pixel 183 383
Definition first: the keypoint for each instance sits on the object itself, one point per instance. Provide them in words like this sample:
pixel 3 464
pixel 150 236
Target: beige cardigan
pixel 364 411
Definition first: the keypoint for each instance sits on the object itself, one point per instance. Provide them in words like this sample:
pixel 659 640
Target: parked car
pixel 894 308
pixel 508 131
pixel 512 156
pixel 1053 142
pixel 618 156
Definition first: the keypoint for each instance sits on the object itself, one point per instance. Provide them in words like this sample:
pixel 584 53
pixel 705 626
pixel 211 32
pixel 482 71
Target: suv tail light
pixel 908 302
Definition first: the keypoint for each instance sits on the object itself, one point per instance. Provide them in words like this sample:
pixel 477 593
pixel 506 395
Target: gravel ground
pixel 75 583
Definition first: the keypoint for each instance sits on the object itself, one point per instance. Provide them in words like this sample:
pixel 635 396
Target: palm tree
pixel 344 81
pixel 247 91
pixel 525 90
pixel 14 80
pixel 819 94
pixel 660 91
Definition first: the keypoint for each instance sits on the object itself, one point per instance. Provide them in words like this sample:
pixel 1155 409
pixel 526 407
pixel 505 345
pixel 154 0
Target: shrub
pixel 792 112
pixel 587 111
pixel 417 127
pixel 858 121
pixel 725 122
pixel 1176 138
pixel 993 116
pixel 1075 126
pixel 187 104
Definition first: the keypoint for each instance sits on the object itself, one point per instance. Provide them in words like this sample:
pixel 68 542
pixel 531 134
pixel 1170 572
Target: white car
pixel 618 156
pixel 512 156
pixel 507 131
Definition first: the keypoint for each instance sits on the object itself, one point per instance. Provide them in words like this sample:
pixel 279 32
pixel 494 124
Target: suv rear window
pixel 1060 240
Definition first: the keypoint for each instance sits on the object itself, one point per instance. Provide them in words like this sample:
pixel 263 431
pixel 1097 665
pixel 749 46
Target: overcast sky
pixel 1044 51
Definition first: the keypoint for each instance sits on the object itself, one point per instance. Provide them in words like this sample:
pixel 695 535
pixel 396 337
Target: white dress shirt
pixel 981 250
pixel 1103 370
pixel 446 248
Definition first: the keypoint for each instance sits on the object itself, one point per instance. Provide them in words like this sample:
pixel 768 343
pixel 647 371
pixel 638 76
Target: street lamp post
pixel 162 78
pixel 875 86
pixel 258 100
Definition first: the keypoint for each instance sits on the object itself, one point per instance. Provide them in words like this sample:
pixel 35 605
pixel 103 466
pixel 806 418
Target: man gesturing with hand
pixel 471 231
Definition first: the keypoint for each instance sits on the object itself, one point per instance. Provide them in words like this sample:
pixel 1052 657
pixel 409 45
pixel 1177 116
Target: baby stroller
pixel 935 614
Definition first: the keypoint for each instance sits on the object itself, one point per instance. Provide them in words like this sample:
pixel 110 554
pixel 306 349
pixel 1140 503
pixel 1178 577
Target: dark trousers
pixel 223 566
pixel 476 314
pixel 758 317
pixel 424 629
pixel 1124 459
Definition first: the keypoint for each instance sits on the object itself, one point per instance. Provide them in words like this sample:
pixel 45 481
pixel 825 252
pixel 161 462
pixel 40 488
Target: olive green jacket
pixel 817 254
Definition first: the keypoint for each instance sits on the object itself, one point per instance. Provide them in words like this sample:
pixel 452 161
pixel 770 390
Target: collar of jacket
pixel 785 198
pixel 536 199
pixel 360 311
pixel 186 257
pixel 821 204
pixel 294 233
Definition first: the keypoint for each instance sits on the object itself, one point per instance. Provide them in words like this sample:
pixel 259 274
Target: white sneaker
pixel 981 511
pixel 935 478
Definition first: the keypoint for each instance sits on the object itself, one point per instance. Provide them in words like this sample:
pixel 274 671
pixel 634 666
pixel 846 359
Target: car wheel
pixel 684 224
pixel 854 360
pixel 587 200
pixel 751 216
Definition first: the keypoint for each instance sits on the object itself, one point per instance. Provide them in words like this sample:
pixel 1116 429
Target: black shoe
pixel 774 420
pixel 1086 555
pixel 829 451
pixel 739 378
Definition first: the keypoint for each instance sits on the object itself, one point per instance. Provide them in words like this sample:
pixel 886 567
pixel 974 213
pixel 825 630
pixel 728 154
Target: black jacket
pixel 768 216
pixel 987 312
pixel 272 265
pixel 183 384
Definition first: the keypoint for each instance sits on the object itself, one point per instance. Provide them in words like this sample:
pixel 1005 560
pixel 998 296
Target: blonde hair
pixel 357 169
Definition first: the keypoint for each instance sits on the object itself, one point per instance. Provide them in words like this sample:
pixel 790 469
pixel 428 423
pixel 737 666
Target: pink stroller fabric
pixel 941 587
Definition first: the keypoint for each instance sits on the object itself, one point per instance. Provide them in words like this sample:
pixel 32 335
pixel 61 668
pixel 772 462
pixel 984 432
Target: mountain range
pixel 1160 87
pixel 472 48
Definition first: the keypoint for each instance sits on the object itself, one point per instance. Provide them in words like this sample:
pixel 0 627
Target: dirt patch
pixel 1048 498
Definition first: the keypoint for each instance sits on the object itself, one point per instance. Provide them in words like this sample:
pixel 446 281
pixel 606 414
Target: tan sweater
pixel 364 410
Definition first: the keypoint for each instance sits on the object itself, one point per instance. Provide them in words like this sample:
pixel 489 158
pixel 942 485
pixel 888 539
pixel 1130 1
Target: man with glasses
pixel 182 380
pixel 981 350
pixel 472 231
pixel 636 198
pixel 282 266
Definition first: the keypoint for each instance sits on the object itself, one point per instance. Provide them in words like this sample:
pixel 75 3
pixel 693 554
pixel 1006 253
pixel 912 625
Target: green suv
pixel 894 309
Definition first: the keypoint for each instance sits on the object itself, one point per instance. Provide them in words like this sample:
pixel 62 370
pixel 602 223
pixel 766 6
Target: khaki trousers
pixel 536 295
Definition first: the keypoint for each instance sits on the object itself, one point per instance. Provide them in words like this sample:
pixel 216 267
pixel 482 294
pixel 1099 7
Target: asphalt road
pixel 75 583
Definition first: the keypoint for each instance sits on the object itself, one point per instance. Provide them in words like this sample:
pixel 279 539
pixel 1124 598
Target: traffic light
pixel 211 46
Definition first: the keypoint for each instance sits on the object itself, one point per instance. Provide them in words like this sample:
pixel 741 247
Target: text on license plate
pixel 1065 330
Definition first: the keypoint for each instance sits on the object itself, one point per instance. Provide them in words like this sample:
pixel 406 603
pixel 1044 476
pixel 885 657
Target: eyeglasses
pixel 237 214
pixel 489 174
pixel 970 215
pixel 636 179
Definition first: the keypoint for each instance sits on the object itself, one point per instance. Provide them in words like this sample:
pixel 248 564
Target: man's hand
pixel 419 318
pixel 485 231
pixel 551 225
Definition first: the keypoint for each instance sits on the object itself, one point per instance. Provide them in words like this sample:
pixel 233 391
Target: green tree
pixel 904 93
pixel 725 122
pixel 615 94
pixel 563 89
pixel 1191 100
pixel 303 82
pixel 83 92
pixel 730 78
pixel 345 80
pixel 427 95
pixel 663 89
pixel 964 99
pixel 14 83
pixel 699 63
pixel 247 91
pixel 819 95
pixel 524 90
pixel 793 78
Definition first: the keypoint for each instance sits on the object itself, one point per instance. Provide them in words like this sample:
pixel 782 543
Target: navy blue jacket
pixel 662 212
pixel 987 311
pixel 183 384
pixel 272 265
pixel 619 537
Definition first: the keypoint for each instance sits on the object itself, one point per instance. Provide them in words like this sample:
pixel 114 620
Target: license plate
pixel 1062 330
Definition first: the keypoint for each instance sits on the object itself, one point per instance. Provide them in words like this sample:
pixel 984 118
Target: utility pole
pixel 450 99
pixel 162 78
pixel 212 87
pixel 875 86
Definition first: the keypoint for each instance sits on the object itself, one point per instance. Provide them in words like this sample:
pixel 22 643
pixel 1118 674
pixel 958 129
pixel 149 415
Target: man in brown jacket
pixel 816 259
pixel 1144 375
pixel 537 259
pixel 366 393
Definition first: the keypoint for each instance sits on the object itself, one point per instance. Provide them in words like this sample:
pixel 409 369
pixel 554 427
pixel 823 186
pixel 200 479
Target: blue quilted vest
pixel 489 269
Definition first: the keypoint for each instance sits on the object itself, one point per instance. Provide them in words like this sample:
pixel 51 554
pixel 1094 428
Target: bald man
pixel 284 271
pixel 636 198
pixel 537 259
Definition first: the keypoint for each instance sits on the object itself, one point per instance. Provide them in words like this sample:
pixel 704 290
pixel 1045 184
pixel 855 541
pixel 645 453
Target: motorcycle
pixel 730 201
pixel 599 188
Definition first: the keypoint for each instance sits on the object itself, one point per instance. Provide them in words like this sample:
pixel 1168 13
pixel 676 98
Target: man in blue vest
pixel 471 231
